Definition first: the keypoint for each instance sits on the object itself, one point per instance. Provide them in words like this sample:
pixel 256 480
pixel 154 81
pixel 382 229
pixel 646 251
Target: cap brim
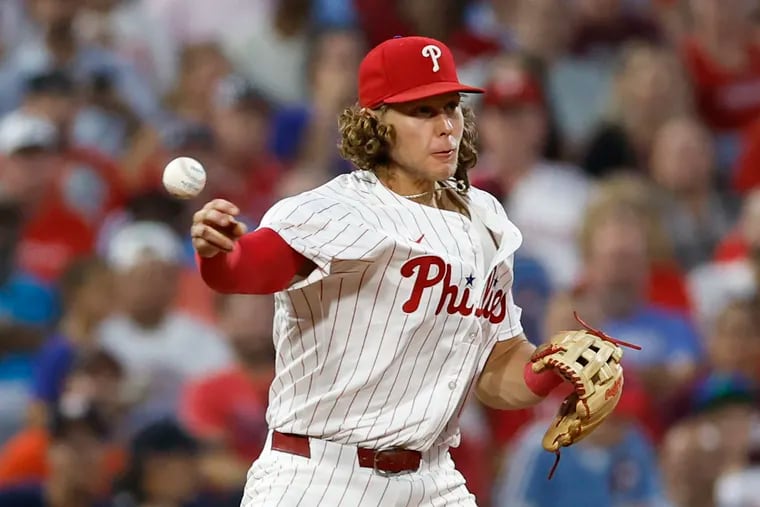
pixel 430 90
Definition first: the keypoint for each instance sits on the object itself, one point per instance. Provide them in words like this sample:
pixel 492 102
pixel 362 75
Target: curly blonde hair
pixel 366 141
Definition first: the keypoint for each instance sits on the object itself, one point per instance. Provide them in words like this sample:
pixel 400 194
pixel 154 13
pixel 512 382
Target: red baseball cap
pixel 404 69
pixel 512 88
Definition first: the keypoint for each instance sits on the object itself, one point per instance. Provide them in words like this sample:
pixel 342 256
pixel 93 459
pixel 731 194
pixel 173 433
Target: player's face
pixel 428 134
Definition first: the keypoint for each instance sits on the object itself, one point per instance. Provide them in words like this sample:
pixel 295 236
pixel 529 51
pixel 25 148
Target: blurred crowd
pixel 622 136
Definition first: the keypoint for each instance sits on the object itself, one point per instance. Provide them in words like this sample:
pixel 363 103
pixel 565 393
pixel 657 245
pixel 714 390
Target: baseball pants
pixel 332 477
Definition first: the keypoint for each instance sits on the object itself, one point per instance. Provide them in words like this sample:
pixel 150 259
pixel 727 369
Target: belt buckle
pixel 384 473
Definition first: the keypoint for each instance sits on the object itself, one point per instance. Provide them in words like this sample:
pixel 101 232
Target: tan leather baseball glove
pixel 590 361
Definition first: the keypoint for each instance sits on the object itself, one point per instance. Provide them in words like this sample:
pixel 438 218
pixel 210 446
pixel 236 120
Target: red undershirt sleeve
pixel 261 263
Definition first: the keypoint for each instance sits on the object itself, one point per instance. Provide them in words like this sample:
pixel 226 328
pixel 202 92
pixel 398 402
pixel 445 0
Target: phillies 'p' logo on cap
pixel 434 53
pixel 404 69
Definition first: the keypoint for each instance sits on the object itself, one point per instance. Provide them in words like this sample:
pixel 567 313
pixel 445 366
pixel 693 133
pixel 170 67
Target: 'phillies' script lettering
pixel 431 270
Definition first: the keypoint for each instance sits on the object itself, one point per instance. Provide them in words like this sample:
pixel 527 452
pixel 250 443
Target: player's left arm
pixel 507 382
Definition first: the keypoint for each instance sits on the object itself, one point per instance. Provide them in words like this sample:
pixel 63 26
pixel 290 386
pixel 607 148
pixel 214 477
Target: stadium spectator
pixel 226 410
pixel 649 88
pixel 734 346
pixel 732 349
pixel 667 283
pixel 188 104
pixel 86 184
pixel 164 469
pixel 613 467
pixel 246 173
pixel 94 376
pixel 28 305
pixel 29 308
pixel 380 20
pixel 695 214
pixel 604 26
pixel 29 147
pixel 76 456
pixel 616 266
pixel 739 487
pixel 159 347
pixel 86 290
pixel 55 45
pixel 712 441
pixel 272 49
pixel 305 134
pixel 128 29
pixel 735 273
pixel 513 130
pixel 723 62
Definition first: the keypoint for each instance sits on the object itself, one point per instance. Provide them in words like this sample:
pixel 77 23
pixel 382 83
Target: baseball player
pixel 393 301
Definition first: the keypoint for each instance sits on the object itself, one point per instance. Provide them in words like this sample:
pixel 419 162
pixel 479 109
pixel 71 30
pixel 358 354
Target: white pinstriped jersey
pixel 380 345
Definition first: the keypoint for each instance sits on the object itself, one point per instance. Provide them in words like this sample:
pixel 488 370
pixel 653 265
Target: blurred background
pixel 622 137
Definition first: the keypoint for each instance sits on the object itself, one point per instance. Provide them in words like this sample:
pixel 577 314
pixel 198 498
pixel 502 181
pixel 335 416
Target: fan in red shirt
pixel 66 225
pixel 724 63
pixel 227 409
pixel 30 165
pixel 83 186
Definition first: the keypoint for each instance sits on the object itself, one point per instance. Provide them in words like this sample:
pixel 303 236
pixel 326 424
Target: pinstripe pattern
pixel 380 345
pixel 332 477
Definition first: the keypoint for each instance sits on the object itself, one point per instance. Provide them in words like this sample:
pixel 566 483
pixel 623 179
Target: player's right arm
pixel 234 261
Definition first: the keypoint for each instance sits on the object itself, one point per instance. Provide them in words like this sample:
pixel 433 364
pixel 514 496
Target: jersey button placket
pixel 473 333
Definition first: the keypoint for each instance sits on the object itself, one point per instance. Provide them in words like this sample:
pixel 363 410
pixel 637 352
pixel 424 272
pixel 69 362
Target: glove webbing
pixel 603 336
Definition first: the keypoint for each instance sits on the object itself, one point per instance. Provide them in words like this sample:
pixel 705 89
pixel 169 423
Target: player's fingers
pixel 210 243
pixel 239 229
pixel 204 248
pixel 234 230
pixel 224 206
pixel 212 237
pixel 217 219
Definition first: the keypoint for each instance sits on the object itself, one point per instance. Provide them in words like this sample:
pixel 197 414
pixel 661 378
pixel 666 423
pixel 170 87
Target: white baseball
pixel 184 177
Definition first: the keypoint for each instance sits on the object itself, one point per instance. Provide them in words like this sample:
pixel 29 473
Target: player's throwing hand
pixel 215 228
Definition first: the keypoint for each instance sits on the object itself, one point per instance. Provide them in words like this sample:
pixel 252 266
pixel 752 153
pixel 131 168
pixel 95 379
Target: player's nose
pixel 444 125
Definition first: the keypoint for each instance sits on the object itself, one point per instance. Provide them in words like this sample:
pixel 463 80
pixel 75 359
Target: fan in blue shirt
pixel 616 466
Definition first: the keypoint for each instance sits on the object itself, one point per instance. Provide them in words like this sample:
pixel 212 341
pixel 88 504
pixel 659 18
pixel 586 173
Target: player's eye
pixel 451 106
pixel 424 111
